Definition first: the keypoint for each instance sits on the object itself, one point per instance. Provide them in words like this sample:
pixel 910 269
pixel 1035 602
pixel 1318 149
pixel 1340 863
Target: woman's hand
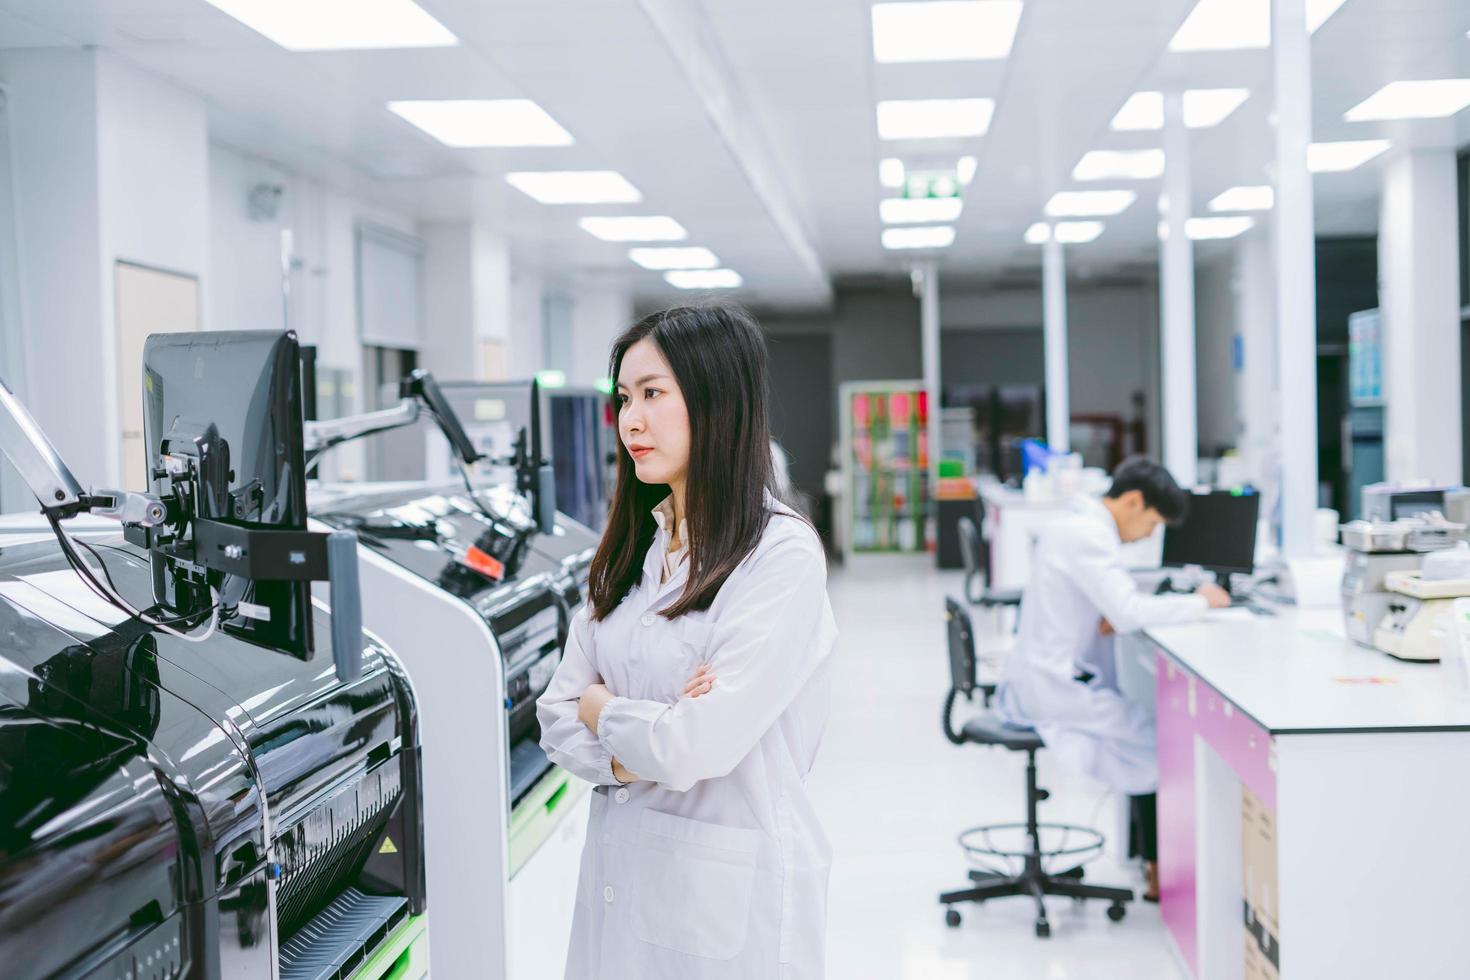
pixel 589 707
pixel 700 684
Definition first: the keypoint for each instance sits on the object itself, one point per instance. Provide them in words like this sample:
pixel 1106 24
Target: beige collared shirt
pixel 663 516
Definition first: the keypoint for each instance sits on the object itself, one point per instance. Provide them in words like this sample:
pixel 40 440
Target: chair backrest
pixel 961 647
pixel 969 545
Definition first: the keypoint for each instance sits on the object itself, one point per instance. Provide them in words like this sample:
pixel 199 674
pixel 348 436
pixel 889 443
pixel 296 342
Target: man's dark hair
pixel 1155 483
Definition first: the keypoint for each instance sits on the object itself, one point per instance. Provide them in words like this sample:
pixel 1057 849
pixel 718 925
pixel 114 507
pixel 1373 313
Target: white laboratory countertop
pixel 1000 495
pixel 1296 673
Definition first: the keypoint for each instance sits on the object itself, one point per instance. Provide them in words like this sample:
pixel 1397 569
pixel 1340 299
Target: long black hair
pixel 718 357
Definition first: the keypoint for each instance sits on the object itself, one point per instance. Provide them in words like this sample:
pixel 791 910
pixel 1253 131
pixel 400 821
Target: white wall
pixel 1112 340
pixel 243 289
pixel 109 165
pixel 599 315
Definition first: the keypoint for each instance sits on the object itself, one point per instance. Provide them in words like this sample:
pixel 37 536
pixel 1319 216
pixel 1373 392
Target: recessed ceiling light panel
pixel 1038 234
pixel 660 259
pixel 1089 204
pixel 704 279
pixel 1427 99
pixel 340 25
pixel 635 228
pixel 1225 25
pixel 946 30
pixel 931 236
pixel 1203 108
pixel 484 122
pixel 575 186
pixel 1120 165
pixel 914 119
pixel 907 210
pixel 1328 158
pixel 1255 198
pixel 1205 229
pixel 1077 232
pixel 890 172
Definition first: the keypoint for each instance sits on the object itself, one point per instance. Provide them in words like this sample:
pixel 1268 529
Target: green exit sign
pixel 940 184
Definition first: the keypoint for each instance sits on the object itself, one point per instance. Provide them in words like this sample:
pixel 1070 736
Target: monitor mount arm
pixel 419 392
pixel 159 523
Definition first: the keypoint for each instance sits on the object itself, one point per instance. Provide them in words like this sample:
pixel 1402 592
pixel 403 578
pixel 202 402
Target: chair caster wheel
pixel 1043 930
pixel 951 918
pixel 1116 911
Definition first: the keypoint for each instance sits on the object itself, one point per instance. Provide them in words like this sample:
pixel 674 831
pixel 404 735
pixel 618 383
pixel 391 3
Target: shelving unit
pixel 885 466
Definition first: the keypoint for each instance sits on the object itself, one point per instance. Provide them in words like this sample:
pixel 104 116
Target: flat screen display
pixel 1218 533
pixel 231 401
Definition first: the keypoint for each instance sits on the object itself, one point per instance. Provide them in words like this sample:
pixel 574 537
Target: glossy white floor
pixel 894 793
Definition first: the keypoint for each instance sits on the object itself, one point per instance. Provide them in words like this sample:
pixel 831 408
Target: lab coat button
pixel 647 619
pixel 607 893
pixel 621 796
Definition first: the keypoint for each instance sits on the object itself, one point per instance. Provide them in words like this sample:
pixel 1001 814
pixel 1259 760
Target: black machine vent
pixel 326 849
pixel 342 937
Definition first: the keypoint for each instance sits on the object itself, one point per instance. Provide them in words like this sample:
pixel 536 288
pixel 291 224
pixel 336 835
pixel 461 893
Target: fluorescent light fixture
pixel 1319 11
pixel 1330 158
pixel 964 170
pixel 1205 229
pixel 1203 108
pixel 917 119
pixel 947 30
pixel 484 122
pixel 1227 25
pixel 1067 232
pixel 890 172
pixel 930 236
pixel 635 228
pixel 1089 204
pixel 910 210
pixel 1429 99
pixel 340 25
pixel 1077 232
pixel 660 259
pixel 1257 198
pixel 575 186
pixel 1120 165
pixel 704 279
pixel 551 378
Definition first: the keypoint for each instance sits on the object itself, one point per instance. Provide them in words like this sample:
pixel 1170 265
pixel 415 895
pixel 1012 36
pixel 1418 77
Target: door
pixel 148 301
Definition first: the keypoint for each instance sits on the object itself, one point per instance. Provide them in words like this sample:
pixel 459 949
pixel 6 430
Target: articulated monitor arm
pixel 323 435
pixel 51 480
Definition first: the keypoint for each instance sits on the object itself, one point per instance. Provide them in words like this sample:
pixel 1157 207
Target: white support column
pixel 929 340
pixel 1419 296
pixel 1296 277
pixel 1054 340
pixel 1176 297
pixel 1256 385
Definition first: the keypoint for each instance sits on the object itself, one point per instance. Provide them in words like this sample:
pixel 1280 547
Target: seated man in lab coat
pixel 1060 678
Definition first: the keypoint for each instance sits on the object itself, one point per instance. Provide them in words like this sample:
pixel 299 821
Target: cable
pixel 111 595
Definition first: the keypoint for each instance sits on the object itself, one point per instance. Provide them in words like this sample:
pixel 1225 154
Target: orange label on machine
pixel 484 563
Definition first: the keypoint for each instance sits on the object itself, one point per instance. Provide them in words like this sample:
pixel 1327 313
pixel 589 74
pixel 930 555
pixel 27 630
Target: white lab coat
pixel 714 865
pixel 1078 578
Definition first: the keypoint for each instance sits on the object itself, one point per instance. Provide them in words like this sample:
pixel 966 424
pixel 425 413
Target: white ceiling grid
pixel 751 122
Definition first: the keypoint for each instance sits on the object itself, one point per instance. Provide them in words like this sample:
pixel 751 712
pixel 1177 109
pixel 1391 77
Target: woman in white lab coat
pixel 695 683
pixel 1060 678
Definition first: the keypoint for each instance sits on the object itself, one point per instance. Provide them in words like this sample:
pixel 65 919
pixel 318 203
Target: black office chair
pixel 1034 879
pixel 972 546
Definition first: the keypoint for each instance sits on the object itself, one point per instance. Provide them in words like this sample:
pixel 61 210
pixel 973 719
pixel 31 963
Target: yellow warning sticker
pixel 387 847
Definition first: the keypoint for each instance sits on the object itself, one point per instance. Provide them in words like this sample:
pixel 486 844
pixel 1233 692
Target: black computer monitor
pixel 227 406
pixel 1218 533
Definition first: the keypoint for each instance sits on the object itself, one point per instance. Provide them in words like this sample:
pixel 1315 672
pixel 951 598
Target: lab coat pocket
pixel 692 885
